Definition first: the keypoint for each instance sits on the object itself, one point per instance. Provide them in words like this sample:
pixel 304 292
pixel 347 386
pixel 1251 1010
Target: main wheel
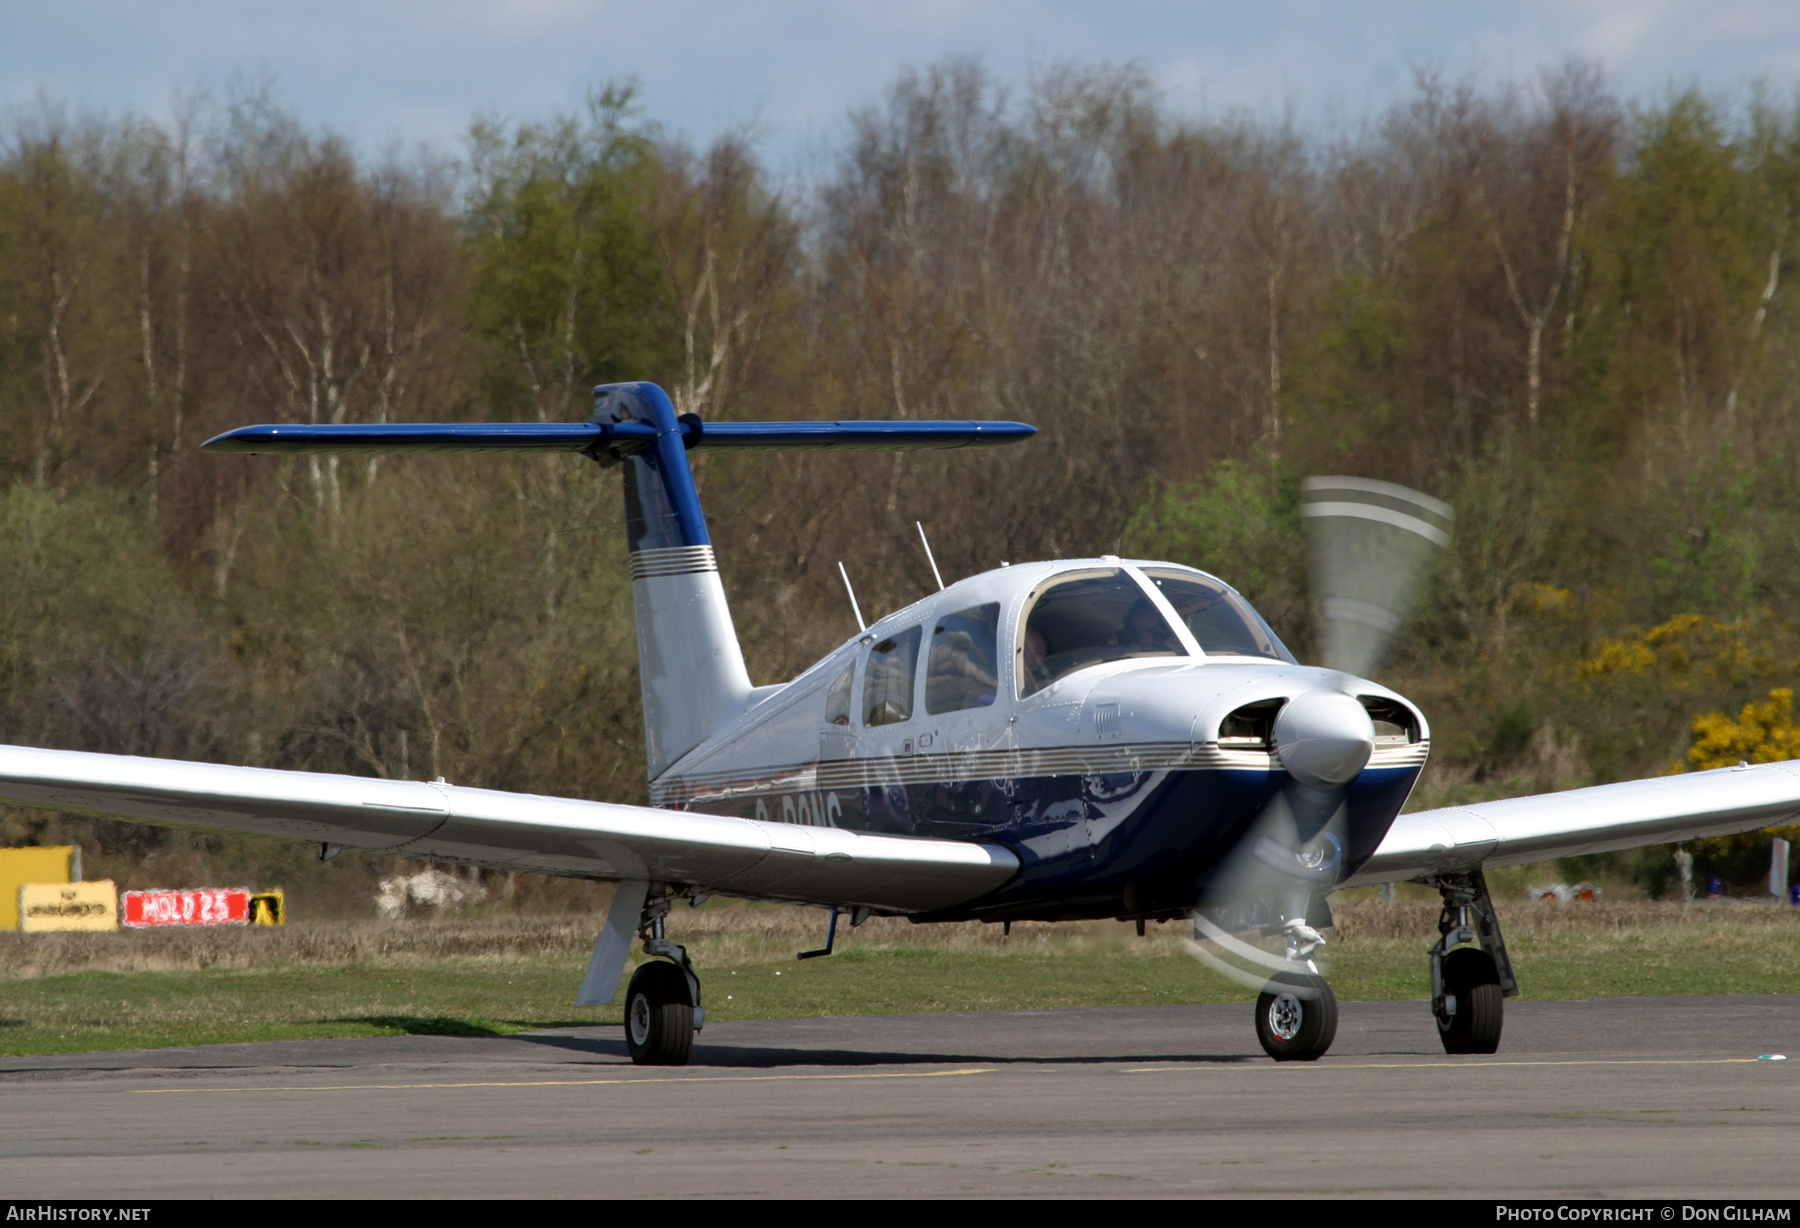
pixel 659 1015
pixel 1296 1017
pixel 1469 973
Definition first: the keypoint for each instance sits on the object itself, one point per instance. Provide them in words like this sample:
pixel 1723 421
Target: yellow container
pixel 55 864
pixel 68 906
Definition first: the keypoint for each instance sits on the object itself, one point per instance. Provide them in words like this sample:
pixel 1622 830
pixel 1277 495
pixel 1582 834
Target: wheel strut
pixel 1296 1012
pixel 662 1003
pixel 1469 982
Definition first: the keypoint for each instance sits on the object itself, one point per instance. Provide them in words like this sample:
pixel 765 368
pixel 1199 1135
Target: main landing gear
pixel 1469 983
pixel 662 1003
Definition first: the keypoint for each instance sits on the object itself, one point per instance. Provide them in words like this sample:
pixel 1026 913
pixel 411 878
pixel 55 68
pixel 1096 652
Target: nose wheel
pixel 1296 1012
pixel 1296 1017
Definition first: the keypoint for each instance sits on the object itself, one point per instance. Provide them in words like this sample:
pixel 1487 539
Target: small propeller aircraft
pixel 1084 738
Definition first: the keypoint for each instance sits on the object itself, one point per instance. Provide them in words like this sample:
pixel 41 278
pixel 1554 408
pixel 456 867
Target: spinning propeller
pixel 1371 546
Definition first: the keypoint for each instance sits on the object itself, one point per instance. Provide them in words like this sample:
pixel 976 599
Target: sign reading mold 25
pixel 206 906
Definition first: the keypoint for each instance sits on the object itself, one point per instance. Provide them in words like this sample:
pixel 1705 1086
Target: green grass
pixel 750 973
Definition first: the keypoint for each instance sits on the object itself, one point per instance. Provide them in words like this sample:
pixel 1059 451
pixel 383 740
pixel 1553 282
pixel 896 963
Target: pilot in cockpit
pixel 1147 631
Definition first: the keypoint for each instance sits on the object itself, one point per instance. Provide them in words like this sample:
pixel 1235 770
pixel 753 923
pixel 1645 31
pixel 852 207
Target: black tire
pixel 1469 973
pixel 1296 1017
pixel 659 1016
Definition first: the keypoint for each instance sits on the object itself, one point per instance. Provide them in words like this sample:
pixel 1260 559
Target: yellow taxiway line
pixel 933 1074
pixel 1430 1065
pixel 398 1087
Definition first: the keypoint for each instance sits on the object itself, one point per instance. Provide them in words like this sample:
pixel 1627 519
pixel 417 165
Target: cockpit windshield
pixel 1087 620
pixel 1223 622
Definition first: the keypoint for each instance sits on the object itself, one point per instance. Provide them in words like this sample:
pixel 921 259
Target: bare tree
pixel 1539 171
pixel 54 199
pixel 335 284
pixel 726 247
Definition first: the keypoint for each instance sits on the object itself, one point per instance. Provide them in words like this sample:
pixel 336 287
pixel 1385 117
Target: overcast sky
pixel 385 73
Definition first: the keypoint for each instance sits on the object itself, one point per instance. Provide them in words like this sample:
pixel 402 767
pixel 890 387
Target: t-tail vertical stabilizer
pixel 690 666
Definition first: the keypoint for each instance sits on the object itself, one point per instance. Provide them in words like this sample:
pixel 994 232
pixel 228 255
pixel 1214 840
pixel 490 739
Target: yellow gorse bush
pixel 1685 642
pixel 1764 732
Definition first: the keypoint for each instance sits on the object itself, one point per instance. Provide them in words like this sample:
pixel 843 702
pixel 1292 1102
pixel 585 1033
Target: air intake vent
pixel 1106 720
pixel 1251 727
pixel 1395 723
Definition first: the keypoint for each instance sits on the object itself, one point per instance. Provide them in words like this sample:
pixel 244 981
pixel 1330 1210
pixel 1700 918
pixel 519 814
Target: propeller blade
pixel 1294 851
pixel 1256 959
pixel 1371 544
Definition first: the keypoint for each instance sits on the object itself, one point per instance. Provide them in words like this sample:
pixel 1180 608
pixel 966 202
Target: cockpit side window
pixel 963 670
pixel 1088 620
pixel 888 679
pixel 838 696
pixel 1223 622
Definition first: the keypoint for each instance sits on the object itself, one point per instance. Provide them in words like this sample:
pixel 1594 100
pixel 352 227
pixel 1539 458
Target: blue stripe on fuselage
pixel 1082 839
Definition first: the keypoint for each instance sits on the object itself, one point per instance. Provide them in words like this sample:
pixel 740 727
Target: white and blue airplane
pixel 1084 738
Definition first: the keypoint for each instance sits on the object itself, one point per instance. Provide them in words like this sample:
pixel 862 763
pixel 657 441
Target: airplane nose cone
pixel 1324 738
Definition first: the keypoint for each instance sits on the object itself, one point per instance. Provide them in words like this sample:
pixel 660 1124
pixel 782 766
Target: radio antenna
pixel 934 571
pixel 860 624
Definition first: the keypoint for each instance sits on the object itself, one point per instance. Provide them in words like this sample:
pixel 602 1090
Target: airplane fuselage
pixel 1120 782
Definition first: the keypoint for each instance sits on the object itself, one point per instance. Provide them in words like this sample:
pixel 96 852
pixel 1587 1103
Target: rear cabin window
pixel 963 669
pixel 837 698
pixel 888 679
pixel 1089 620
pixel 1223 622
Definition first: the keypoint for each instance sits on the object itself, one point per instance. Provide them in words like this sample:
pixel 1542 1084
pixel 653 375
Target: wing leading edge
pixel 516 831
pixel 1596 820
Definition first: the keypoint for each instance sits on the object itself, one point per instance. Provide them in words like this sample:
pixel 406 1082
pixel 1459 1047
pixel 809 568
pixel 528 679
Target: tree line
pixel 1569 313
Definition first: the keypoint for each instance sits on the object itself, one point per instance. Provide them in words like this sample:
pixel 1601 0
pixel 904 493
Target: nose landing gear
pixel 1296 1017
pixel 1296 1012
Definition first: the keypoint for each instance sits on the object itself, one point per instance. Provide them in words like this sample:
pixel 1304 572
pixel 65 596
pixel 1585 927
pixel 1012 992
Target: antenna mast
pixel 856 609
pixel 934 571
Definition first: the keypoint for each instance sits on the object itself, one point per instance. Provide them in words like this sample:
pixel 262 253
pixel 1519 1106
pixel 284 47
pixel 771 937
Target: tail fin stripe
pixel 676 561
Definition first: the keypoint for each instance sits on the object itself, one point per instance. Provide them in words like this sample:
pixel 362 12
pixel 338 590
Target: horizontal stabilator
pixel 596 437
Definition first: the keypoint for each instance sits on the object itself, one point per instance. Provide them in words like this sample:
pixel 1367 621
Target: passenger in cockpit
pixel 1036 676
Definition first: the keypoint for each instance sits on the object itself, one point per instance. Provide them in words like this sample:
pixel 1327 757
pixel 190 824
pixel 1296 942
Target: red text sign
pixel 206 906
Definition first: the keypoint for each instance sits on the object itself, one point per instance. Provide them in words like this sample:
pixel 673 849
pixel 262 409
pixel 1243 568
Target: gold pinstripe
pixel 965 766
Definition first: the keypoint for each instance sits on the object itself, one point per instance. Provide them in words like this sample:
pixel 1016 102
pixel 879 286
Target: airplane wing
pixel 1596 820
pixel 515 831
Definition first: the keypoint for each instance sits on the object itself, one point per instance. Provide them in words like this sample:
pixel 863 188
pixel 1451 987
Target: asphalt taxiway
pixel 1640 1097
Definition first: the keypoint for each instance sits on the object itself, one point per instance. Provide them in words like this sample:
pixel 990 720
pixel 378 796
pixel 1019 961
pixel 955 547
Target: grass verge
pixel 66 993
